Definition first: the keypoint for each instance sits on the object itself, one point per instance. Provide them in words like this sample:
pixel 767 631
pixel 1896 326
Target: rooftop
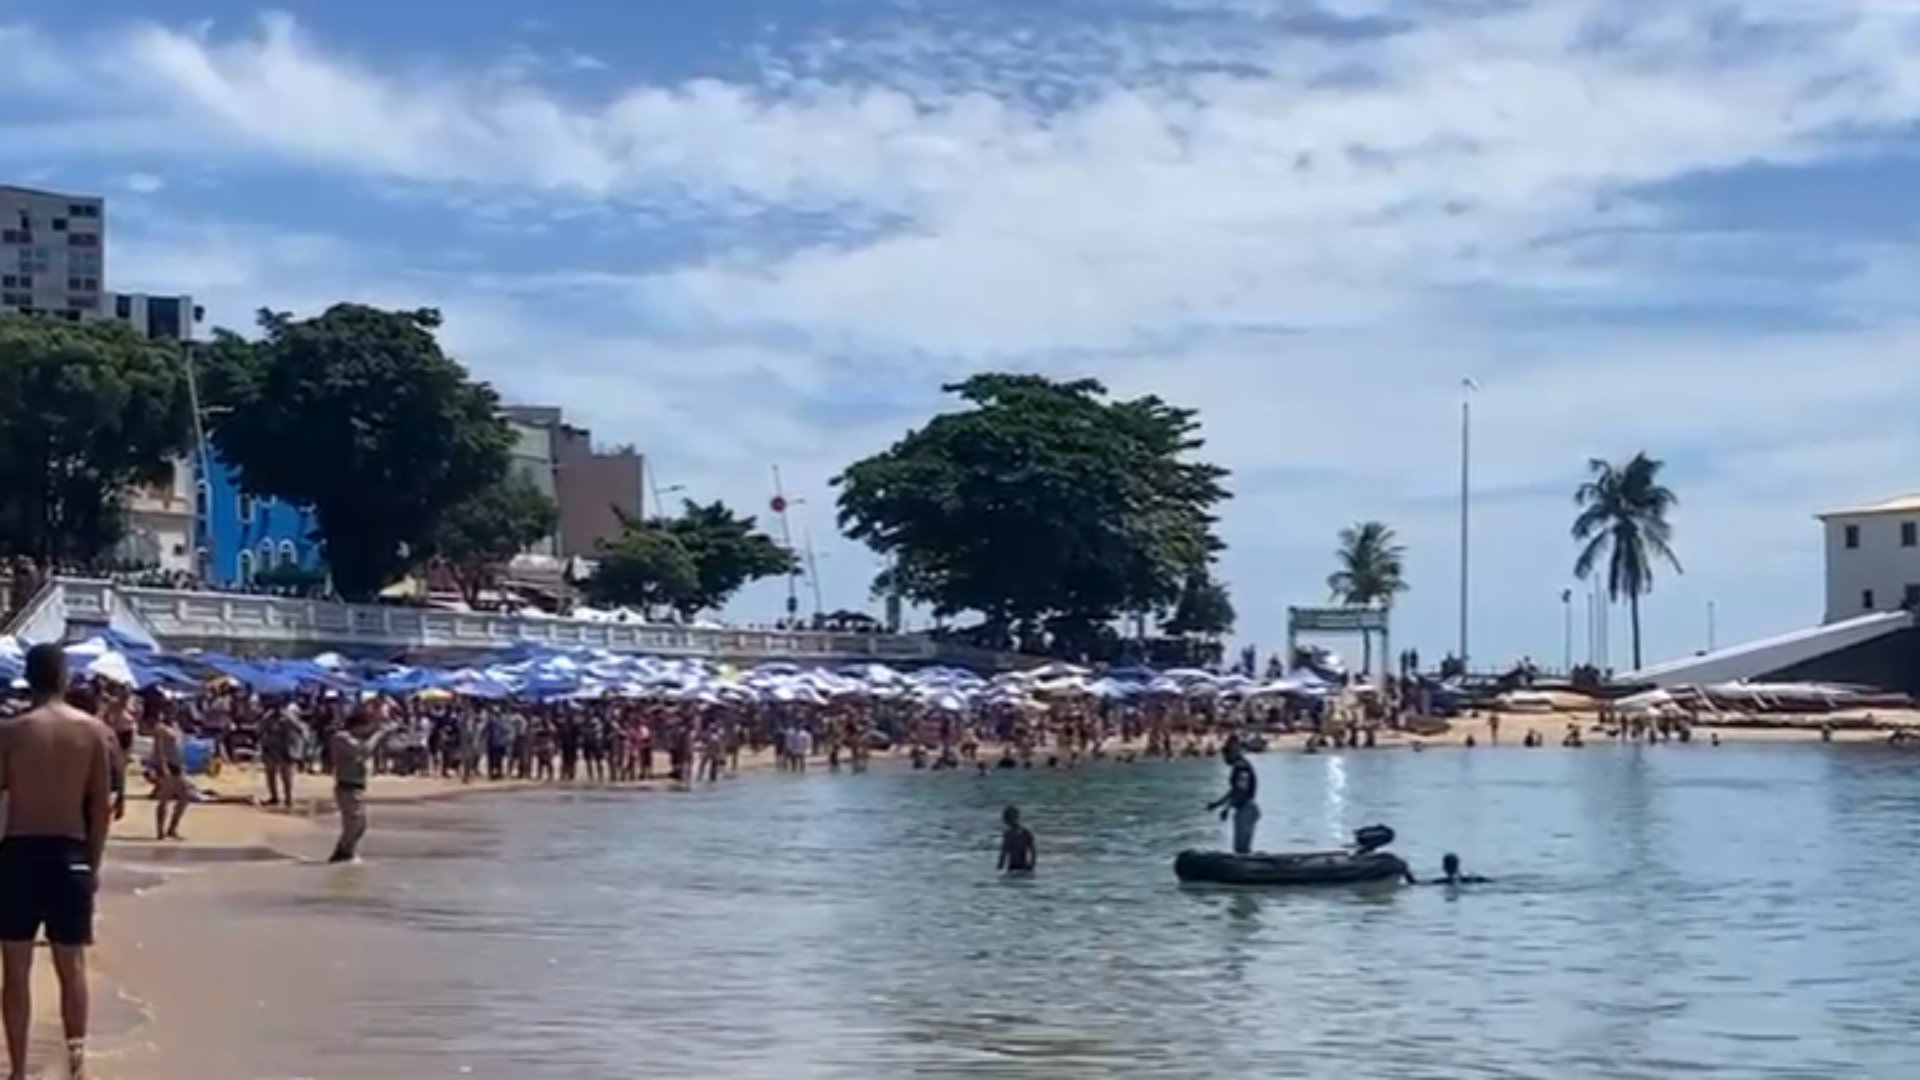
pixel 41 193
pixel 1899 504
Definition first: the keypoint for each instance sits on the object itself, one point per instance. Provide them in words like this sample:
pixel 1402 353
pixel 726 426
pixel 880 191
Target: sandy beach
pixel 136 971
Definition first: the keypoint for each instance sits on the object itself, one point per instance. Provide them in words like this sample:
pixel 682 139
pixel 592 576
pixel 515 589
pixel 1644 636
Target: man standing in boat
pixel 1239 801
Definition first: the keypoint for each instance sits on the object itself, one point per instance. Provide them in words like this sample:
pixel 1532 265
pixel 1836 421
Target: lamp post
pixel 1566 645
pixel 1467 389
pixel 659 501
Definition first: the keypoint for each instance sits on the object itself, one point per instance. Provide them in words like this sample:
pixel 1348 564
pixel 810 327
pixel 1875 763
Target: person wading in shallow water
pixel 353 748
pixel 1239 801
pixel 54 771
pixel 1018 853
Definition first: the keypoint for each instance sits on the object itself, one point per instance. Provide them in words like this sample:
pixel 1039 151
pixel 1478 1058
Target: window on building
pixel 1853 536
pixel 266 554
pixel 288 556
pixel 1866 599
pixel 59 224
pixel 1911 598
pixel 1909 534
pixel 200 498
pixel 83 240
pixel 164 321
pixel 123 307
pixel 243 566
pixel 246 510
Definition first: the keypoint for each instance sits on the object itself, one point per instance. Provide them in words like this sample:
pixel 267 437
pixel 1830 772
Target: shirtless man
pixel 170 789
pixel 54 766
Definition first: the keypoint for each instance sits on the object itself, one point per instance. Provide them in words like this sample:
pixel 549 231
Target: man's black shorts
pixel 45 881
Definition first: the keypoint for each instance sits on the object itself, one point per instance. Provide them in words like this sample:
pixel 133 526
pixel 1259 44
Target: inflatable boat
pixel 1364 863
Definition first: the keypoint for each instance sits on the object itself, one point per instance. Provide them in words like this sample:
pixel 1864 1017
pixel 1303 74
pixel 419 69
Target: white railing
pixel 177 617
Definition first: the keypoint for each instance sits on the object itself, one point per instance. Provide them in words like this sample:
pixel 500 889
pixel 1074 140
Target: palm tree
pixel 1370 566
pixel 1623 519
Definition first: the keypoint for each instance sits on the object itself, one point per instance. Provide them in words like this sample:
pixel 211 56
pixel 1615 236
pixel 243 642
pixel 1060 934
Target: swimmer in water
pixel 1450 873
pixel 1018 854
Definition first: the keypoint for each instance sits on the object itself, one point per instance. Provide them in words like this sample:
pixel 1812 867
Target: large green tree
pixel 1205 609
pixel 644 568
pixel 1039 504
pixel 358 414
pixel 85 410
pixel 728 552
pixel 478 536
pixel 722 552
pixel 1623 520
pixel 1369 573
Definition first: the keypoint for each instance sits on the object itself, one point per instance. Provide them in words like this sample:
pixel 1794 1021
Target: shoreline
pixel 127 1025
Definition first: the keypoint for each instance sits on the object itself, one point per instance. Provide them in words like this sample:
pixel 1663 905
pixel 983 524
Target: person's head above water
pixel 1230 750
pixel 46 671
pixel 1010 816
pixel 1450 864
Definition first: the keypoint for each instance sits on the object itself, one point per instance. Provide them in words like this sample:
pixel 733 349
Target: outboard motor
pixel 1371 838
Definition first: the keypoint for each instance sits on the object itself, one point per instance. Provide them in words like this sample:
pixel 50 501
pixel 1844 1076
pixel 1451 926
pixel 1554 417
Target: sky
pixel 743 233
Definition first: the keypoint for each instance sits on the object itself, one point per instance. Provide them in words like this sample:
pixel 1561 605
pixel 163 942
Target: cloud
pixel 1308 221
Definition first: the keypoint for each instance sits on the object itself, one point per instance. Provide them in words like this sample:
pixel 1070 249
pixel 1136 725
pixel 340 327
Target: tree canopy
pixel 643 567
pixel 697 560
pixel 358 414
pixel 85 410
pixel 1369 566
pixel 1039 504
pixel 475 537
pixel 1204 608
pixel 1623 520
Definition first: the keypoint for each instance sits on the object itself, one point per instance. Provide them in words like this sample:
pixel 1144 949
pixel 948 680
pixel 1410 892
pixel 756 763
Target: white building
pixel 1873 558
pixel 163 318
pixel 52 253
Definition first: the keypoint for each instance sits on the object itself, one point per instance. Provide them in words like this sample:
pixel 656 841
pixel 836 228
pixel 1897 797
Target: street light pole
pixel 1467 388
pixel 1566 646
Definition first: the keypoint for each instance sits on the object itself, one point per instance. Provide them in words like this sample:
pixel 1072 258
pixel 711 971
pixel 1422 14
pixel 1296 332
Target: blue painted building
pixel 241 535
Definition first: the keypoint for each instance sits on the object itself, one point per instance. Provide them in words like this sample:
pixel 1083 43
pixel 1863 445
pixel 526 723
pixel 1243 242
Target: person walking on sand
pixel 171 791
pixel 281 736
pixel 54 774
pixel 352 750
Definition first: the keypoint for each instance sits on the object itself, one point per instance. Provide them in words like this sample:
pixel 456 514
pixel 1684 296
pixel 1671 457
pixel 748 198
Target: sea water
pixel 1661 911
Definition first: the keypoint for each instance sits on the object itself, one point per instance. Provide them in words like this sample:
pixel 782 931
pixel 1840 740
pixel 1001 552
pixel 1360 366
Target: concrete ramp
pixel 1757 659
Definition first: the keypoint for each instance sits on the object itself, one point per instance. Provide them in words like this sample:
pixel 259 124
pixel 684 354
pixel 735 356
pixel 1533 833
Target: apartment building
pixel 592 486
pixel 52 253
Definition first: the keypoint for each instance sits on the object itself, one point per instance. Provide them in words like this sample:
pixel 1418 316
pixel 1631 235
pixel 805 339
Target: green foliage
pixel 727 552
pixel 1369 559
pixel 722 550
pixel 477 536
pixel 1040 505
pixel 359 415
pixel 85 410
pixel 1623 519
pixel 643 567
pixel 291 580
pixel 1204 610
